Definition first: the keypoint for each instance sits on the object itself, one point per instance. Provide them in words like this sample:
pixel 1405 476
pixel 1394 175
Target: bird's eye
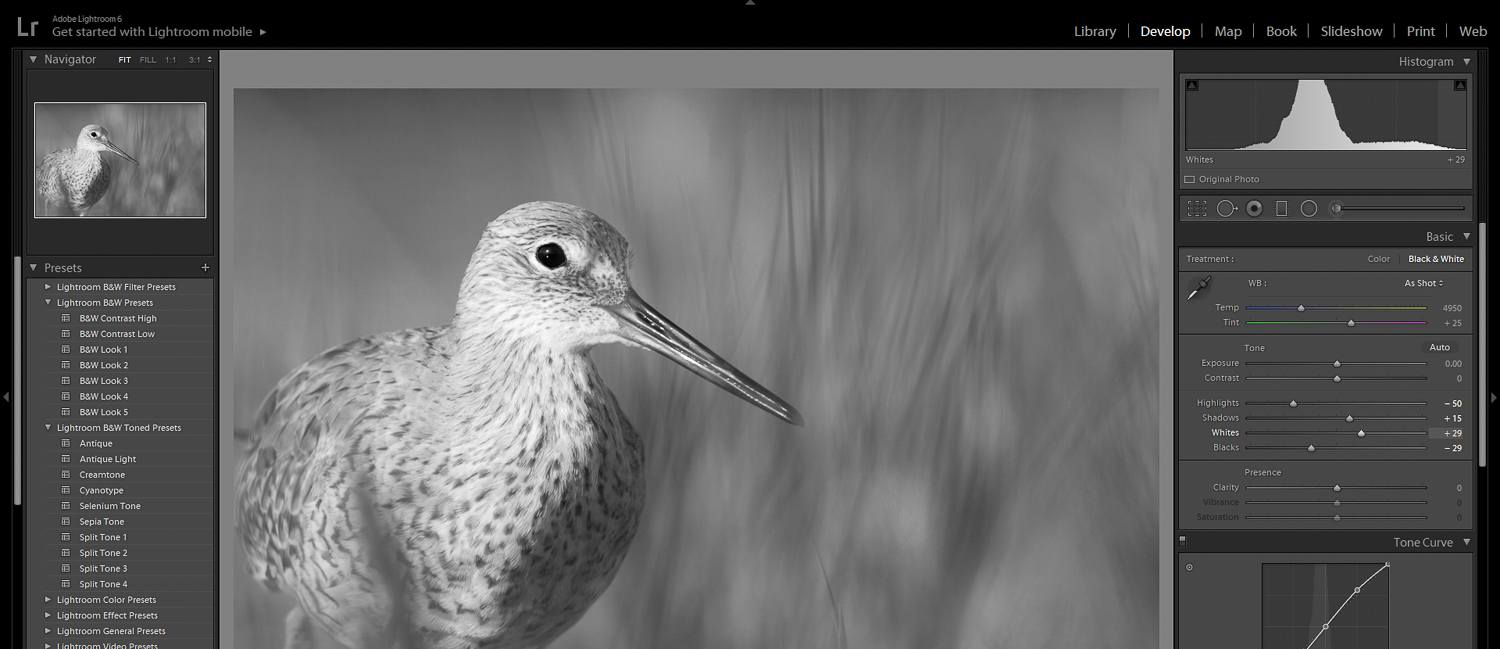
pixel 551 255
pixel 93 133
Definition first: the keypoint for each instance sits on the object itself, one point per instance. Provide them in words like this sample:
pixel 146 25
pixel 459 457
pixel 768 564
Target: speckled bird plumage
pixel 77 178
pixel 473 485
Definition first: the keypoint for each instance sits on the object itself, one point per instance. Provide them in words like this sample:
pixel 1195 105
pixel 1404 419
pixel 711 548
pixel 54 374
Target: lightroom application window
pixel 1161 333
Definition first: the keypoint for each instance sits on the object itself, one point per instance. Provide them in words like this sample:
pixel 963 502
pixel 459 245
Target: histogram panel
pixel 1321 115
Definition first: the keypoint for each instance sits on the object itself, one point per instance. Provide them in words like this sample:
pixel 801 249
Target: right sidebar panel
pixel 1327 337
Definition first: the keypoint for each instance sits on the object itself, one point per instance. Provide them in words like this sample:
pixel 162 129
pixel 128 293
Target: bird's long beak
pixel 111 146
pixel 647 327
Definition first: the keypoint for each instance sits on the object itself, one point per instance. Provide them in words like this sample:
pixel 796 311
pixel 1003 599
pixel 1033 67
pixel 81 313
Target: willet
pixel 77 178
pixel 472 485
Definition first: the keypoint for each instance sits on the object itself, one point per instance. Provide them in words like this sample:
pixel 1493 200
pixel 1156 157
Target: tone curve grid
pixel 1325 605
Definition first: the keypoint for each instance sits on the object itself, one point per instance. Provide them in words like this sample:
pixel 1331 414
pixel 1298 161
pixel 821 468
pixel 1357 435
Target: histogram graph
pixel 1325 605
pixel 1326 114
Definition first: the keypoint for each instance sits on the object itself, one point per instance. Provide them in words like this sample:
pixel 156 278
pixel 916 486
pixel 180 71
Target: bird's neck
pixel 519 401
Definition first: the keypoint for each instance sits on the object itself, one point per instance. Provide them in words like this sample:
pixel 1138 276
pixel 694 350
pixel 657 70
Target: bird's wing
pixel 48 178
pixel 50 161
pixel 306 424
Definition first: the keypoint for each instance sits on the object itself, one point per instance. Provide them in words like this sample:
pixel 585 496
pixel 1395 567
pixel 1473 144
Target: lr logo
pixel 23 32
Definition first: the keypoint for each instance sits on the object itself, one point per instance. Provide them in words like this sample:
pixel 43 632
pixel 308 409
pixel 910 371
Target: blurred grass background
pixel 955 287
pixel 168 140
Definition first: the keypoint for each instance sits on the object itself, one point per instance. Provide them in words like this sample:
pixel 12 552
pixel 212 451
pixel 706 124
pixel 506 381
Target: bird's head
pixel 96 138
pixel 559 275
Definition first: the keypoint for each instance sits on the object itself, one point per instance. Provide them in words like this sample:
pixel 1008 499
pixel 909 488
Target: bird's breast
pixel 520 547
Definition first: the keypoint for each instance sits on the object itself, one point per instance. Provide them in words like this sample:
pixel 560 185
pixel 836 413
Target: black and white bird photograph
pixel 515 369
pixel 122 160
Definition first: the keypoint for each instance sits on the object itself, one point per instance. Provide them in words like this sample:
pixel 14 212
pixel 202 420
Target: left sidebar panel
pixel 118 354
